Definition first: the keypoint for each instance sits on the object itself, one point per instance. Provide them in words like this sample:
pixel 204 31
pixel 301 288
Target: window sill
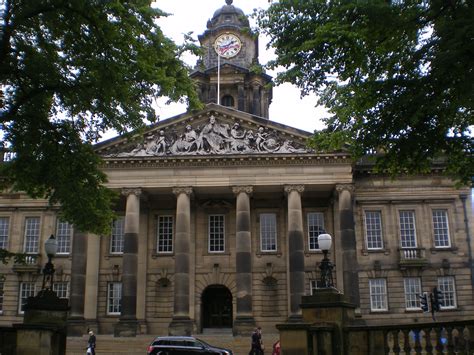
pixel 113 255
pixel 375 251
pixel 161 255
pixel 442 250
pixel 268 253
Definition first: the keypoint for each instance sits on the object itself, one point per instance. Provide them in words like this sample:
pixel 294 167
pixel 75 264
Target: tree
pixel 397 76
pixel 69 71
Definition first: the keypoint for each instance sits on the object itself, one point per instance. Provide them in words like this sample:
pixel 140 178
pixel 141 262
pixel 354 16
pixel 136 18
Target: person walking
pixel 91 343
pixel 257 342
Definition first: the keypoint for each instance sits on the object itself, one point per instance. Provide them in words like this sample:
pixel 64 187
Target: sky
pixel 191 16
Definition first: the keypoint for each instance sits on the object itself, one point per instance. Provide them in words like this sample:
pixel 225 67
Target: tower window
pixel 228 101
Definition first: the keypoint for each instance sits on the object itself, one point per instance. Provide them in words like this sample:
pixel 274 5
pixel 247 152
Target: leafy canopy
pixel 397 76
pixel 69 71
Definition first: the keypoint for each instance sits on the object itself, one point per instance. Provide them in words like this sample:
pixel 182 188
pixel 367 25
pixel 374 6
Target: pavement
pixel 108 344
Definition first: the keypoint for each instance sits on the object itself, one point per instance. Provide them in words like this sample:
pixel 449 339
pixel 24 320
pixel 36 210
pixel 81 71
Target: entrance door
pixel 217 307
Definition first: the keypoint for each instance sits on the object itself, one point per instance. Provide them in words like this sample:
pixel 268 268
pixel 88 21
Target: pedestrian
pixel 257 342
pixel 91 343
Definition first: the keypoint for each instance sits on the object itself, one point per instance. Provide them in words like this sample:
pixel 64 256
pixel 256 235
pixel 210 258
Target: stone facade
pixel 219 229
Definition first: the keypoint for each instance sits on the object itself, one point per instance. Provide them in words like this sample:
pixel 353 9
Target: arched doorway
pixel 216 307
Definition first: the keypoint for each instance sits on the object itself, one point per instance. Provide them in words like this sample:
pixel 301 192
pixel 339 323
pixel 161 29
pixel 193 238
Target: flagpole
pixel 218 78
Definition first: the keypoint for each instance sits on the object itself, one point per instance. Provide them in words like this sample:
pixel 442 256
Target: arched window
pixel 228 100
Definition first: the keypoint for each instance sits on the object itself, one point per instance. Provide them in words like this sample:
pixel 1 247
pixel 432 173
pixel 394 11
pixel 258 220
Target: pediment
pixel 216 130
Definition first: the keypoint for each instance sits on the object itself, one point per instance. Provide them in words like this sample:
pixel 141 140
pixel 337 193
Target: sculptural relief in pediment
pixel 213 138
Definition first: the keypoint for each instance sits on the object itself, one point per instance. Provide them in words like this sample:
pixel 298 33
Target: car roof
pixel 174 337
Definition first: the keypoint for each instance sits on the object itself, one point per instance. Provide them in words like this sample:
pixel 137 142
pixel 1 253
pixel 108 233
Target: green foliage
pixel 6 256
pixel 69 71
pixel 397 76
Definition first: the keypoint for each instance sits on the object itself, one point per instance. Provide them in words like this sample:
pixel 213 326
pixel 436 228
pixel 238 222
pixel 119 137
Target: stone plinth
pixel 181 326
pixel 325 314
pixel 44 327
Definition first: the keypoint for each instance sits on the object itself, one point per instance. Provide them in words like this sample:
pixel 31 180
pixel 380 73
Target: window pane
pixel 4 227
pixel 378 294
pixel 440 229
pixel 373 229
pixel 447 287
pixel 63 237
pixel 268 232
pixel 116 239
pixel 407 229
pixel 412 292
pixel 114 298
pixel 165 234
pixel 61 289
pixel 27 289
pixel 216 233
pixel 32 233
pixel 315 228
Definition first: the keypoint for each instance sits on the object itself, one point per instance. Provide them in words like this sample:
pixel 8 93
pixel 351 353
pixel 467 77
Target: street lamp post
pixel 325 242
pixel 50 247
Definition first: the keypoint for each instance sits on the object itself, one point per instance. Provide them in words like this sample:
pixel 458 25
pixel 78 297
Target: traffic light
pixel 436 300
pixel 424 302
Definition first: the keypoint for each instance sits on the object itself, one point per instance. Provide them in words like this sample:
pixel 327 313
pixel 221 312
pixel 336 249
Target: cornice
pixel 225 161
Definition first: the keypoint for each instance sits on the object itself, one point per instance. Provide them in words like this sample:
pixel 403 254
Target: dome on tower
pixel 228 15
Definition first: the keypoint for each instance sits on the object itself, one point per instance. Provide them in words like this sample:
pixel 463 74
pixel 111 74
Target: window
pixel 268 232
pixel 63 237
pixel 4 226
pixel 378 295
pixel 314 285
pixel 440 229
pixel 412 292
pixel 228 101
pixel 407 229
pixel 448 289
pixel 165 234
pixel 216 233
pixel 2 286
pixel 32 234
pixel 116 239
pixel 27 289
pixel 114 298
pixel 315 228
pixel 61 289
pixel 373 229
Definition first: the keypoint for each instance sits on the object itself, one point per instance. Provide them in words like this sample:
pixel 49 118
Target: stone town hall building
pixel 219 215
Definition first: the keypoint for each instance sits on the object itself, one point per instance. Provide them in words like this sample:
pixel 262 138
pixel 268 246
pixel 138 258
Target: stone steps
pixel 108 344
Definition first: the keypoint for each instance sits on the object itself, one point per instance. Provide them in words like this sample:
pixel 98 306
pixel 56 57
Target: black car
pixel 178 345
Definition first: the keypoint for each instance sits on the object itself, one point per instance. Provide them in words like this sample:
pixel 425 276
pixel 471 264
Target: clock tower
pixel 229 66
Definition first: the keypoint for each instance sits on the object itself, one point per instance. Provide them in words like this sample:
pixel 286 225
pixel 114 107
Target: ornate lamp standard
pixel 50 247
pixel 325 242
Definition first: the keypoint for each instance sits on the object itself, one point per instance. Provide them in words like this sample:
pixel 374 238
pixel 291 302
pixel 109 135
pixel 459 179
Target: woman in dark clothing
pixel 257 343
pixel 91 343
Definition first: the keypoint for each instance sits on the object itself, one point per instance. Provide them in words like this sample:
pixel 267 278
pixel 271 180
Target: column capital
pixel 345 187
pixel 132 191
pixel 297 188
pixel 182 190
pixel 246 189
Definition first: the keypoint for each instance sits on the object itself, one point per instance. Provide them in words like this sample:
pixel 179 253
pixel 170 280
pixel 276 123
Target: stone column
pixel 76 322
pixel 182 323
pixel 128 324
pixel 244 321
pixel 295 250
pixel 348 244
pixel 92 281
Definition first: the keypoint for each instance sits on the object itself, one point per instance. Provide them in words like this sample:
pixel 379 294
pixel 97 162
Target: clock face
pixel 227 45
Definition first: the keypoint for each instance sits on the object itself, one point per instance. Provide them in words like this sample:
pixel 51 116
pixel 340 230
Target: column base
pixel 295 318
pixel 181 326
pixel 76 327
pixel 243 326
pixel 126 328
